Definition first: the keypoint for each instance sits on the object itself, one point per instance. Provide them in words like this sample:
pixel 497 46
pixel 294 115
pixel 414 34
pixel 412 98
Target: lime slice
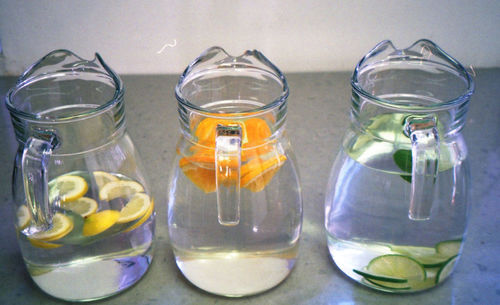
pixel 135 208
pixel 372 276
pixel 427 256
pixel 23 217
pixel 446 270
pixel 68 187
pixel 61 226
pixel 449 248
pixel 396 266
pixel 389 285
pixel 83 206
pixel 99 222
pixel 102 178
pixel 119 189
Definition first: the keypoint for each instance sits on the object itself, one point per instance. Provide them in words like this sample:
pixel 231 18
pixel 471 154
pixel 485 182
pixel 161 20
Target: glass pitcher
pixel 235 205
pixel 85 215
pixel 398 195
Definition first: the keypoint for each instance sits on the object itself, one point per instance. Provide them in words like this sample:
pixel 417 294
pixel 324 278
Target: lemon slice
pixel 119 189
pixel 99 222
pixel 143 218
pixel 84 206
pixel 23 217
pixel 61 226
pixel 135 208
pixel 43 244
pixel 102 178
pixel 69 187
pixel 396 266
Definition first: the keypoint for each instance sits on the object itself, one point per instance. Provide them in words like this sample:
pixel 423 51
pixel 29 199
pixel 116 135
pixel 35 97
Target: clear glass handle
pixel 34 166
pixel 425 163
pixel 227 176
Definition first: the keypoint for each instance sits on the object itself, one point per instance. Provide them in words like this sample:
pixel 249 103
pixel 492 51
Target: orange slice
pixel 257 131
pixel 200 169
pixel 254 131
pixel 257 173
pixel 204 158
pixel 206 130
pixel 201 177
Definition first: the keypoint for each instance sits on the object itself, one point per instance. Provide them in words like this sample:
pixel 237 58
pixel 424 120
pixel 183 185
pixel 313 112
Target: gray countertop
pixel 317 118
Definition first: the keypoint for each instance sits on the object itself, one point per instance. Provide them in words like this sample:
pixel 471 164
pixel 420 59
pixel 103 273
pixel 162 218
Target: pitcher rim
pixel 21 83
pixel 463 73
pixel 281 99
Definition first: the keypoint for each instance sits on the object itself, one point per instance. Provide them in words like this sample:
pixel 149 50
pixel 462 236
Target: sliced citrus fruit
pixel 204 158
pixel 83 206
pixel 23 217
pixel 373 276
pixel 206 130
pixel 102 178
pixel 427 256
pixel 201 177
pixel 143 218
pixel 200 169
pixel 61 226
pixel 446 270
pixel 68 187
pixel 257 173
pixel 389 285
pixel 43 244
pixel 248 153
pixel 449 247
pixel 396 266
pixel 135 208
pixel 257 131
pixel 120 189
pixel 99 222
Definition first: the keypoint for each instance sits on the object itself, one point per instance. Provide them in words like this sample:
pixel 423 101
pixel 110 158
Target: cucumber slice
pixel 376 277
pixel 449 247
pixel 397 266
pixel 446 270
pixel 427 256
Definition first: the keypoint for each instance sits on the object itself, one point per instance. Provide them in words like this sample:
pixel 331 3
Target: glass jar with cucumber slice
pixel 398 195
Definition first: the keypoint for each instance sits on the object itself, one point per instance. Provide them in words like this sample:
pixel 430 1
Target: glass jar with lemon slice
pixel 397 201
pixel 235 207
pixel 85 215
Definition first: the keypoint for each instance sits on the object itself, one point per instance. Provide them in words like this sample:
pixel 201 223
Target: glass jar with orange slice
pixel 235 206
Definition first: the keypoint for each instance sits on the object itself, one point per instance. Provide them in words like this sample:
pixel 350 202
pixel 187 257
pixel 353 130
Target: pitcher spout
pixel 65 61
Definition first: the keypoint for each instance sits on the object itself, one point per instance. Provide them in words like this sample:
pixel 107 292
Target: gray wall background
pixel 138 37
